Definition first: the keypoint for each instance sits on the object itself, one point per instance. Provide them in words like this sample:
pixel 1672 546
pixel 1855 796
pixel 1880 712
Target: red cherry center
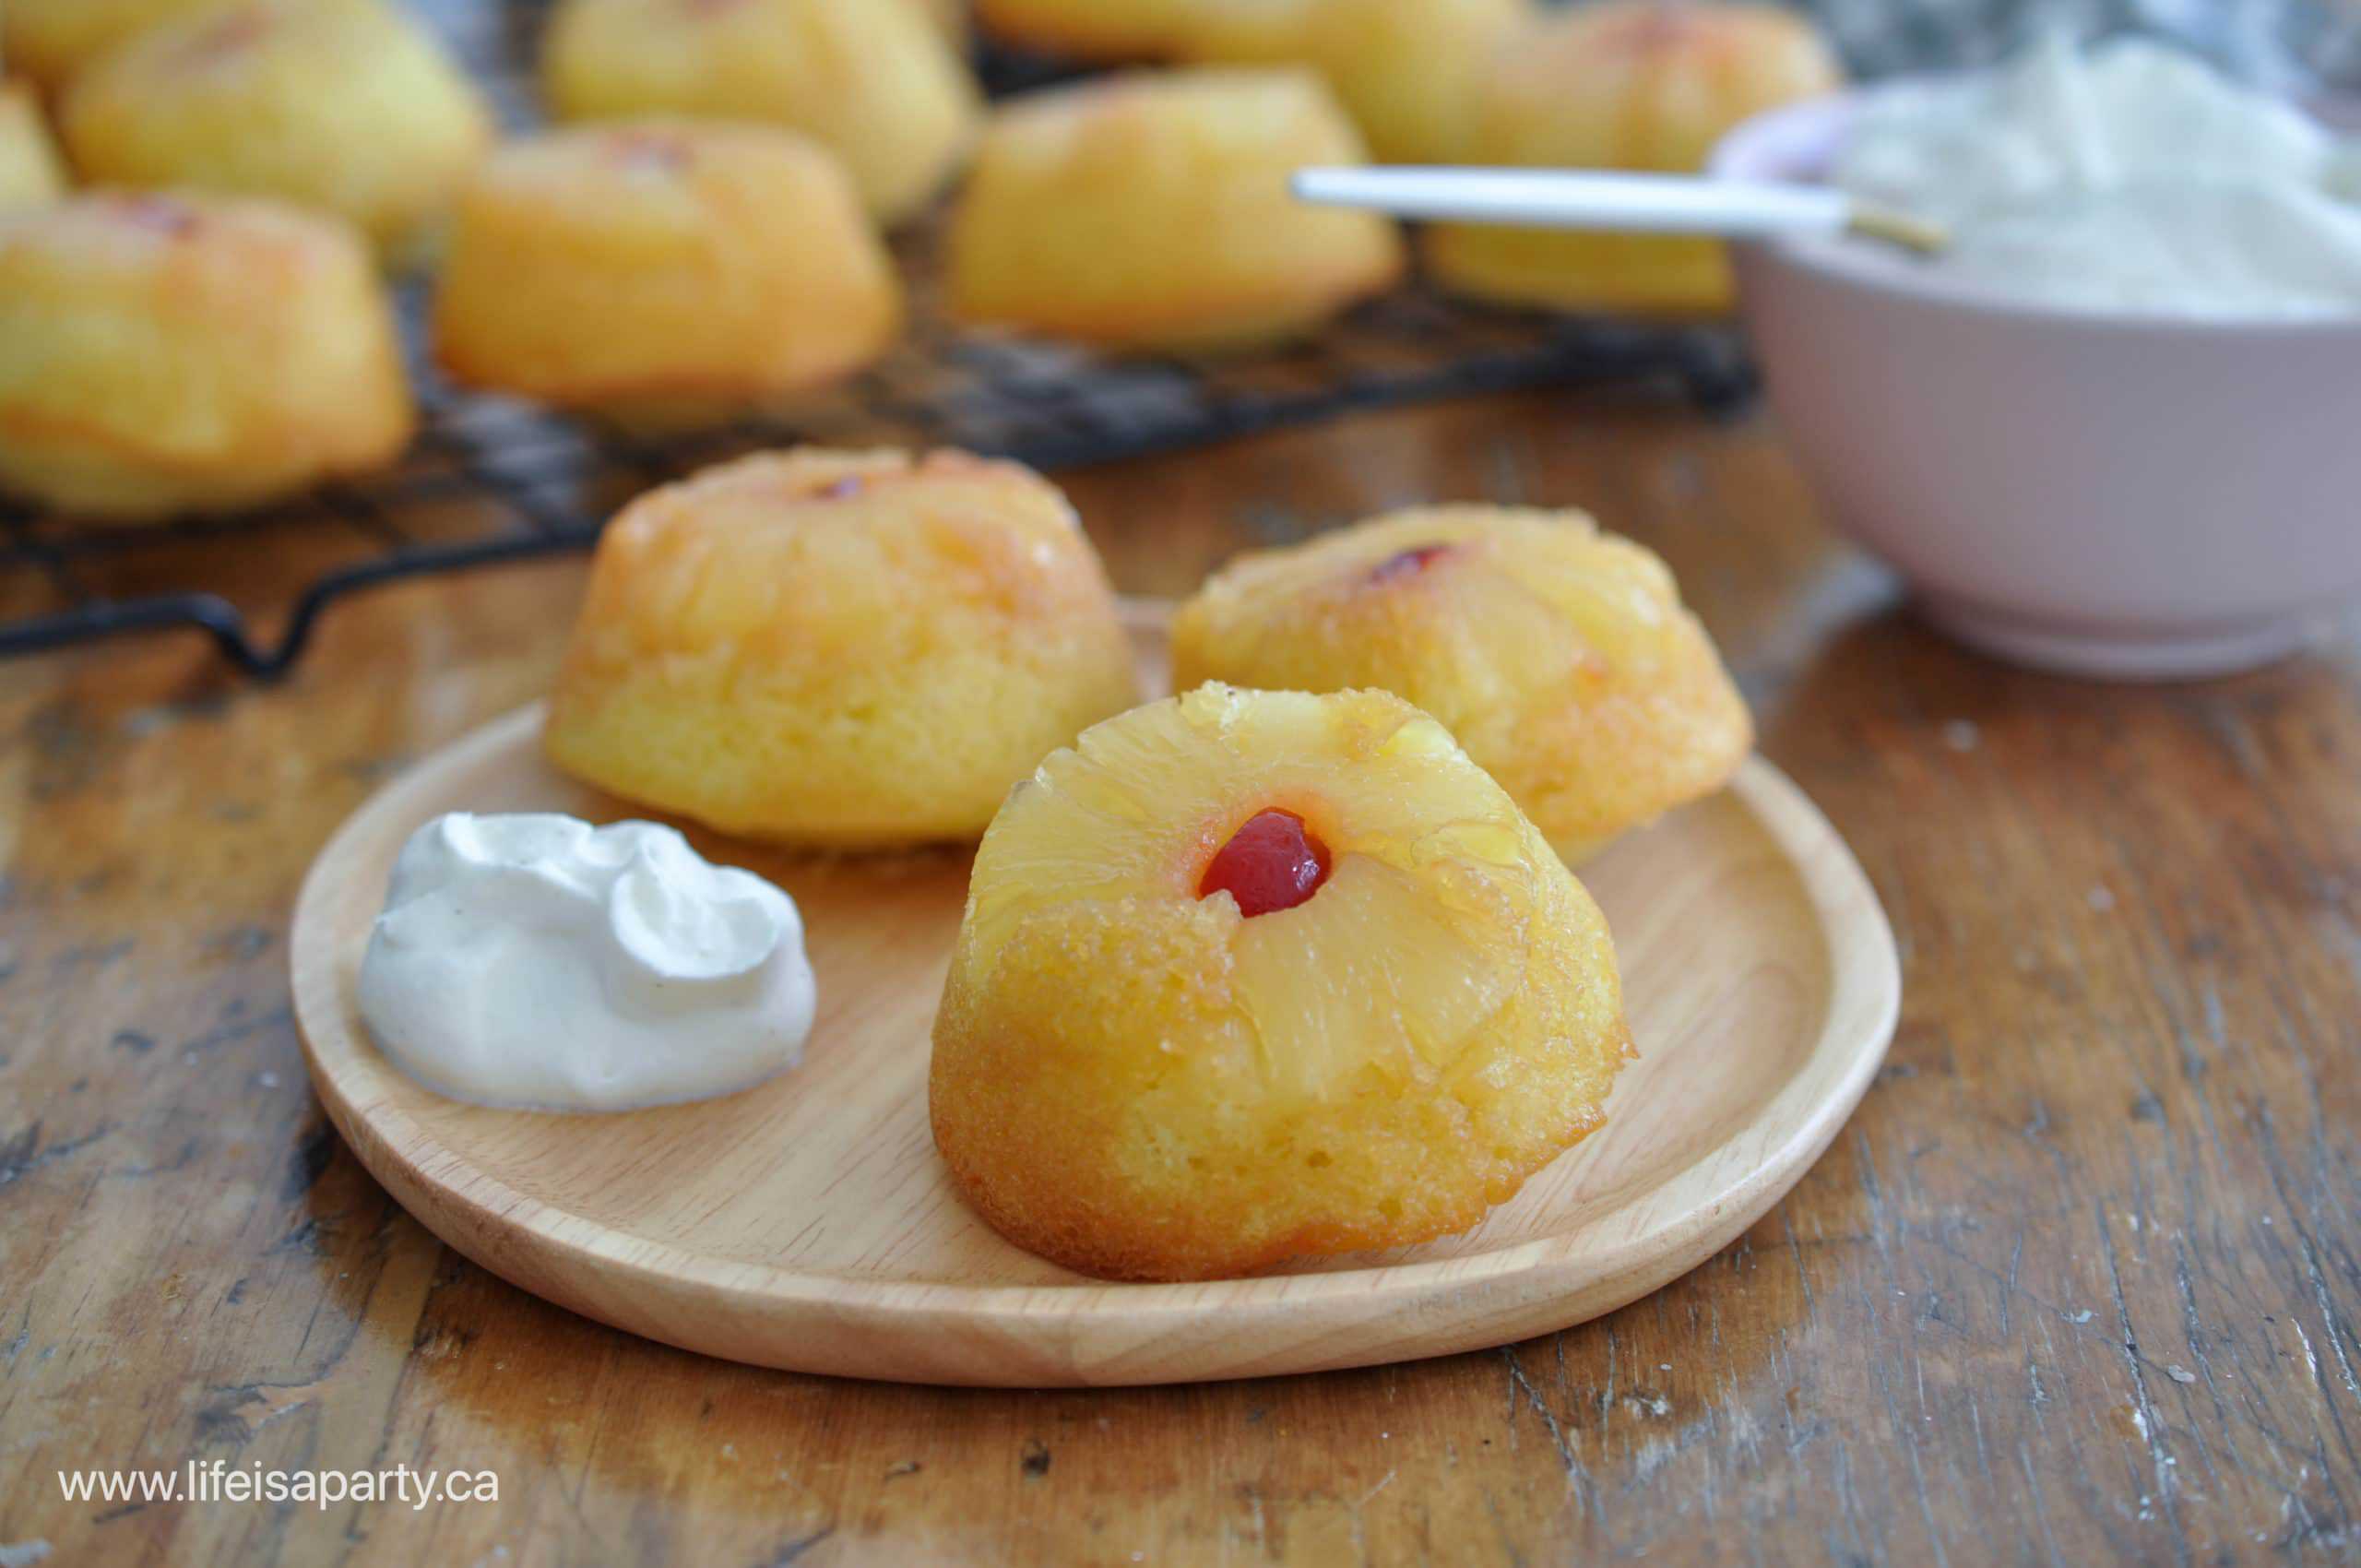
pixel 155 214
pixel 235 33
pixel 1655 30
pixel 652 150
pixel 1271 862
pixel 1408 563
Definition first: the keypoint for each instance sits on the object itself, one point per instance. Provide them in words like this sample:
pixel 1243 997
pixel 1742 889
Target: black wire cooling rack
pixel 489 481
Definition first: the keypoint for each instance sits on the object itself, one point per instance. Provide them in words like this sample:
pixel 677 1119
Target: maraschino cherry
pixel 1408 563
pixel 1273 861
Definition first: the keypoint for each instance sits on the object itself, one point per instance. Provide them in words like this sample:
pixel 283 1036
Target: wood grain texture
pixel 2077 1284
pixel 808 1223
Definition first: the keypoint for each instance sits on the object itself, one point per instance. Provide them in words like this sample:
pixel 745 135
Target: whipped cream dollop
pixel 538 962
pixel 2131 179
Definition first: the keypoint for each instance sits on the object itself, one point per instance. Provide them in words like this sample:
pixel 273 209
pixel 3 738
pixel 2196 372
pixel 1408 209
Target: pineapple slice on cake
pixel 1253 976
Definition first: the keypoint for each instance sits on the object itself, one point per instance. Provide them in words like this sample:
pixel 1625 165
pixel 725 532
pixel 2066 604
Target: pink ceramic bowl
pixel 2120 497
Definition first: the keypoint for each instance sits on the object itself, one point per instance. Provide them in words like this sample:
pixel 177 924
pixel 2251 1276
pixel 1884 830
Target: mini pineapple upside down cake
pixel 1254 976
pixel 1560 656
pixel 839 649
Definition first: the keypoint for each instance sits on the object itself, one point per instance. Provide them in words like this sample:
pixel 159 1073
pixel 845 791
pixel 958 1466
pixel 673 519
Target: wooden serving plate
pixel 809 1223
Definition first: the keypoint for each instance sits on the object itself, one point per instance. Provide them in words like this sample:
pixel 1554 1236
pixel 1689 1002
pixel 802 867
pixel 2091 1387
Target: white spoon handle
pixel 1545 198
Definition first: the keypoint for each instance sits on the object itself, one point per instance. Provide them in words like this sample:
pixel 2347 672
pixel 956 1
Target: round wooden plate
pixel 809 1224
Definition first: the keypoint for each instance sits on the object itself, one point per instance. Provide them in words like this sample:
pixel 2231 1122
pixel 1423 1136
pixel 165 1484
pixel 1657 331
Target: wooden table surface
pixel 2079 1283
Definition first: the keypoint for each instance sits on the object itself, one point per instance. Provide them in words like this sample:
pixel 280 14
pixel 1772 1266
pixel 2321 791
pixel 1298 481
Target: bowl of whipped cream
pixel 2113 428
